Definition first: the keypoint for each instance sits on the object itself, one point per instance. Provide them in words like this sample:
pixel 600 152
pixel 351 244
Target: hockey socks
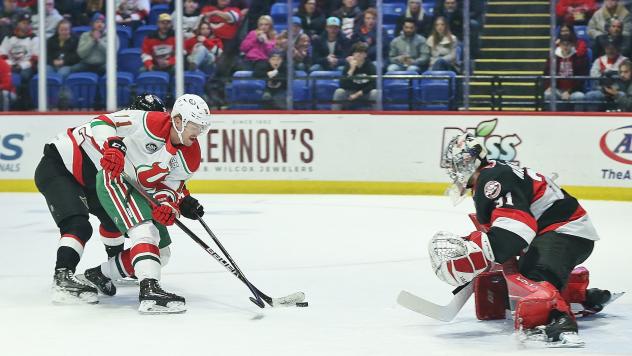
pixel 69 252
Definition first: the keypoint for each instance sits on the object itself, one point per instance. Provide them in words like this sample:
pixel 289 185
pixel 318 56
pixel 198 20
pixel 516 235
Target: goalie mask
pixel 463 156
pixel 193 111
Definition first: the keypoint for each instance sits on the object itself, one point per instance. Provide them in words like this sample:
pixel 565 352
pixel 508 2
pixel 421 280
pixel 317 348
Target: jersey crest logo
pixel 151 147
pixel 492 189
pixel 151 176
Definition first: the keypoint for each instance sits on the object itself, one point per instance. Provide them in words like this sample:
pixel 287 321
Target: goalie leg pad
pixel 491 296
pixel 575 290
pixel 535 309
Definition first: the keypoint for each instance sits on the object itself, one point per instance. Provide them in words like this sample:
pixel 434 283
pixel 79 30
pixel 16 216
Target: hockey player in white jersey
pixel 161 153
pixel 66 178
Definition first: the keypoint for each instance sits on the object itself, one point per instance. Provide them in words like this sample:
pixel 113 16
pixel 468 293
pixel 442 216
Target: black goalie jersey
pixel 513 201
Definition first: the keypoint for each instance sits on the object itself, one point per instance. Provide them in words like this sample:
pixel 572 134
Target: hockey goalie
pixel 535 230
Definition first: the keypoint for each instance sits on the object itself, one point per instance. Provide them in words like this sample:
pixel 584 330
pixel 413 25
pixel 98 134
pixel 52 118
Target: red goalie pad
pixel 491 296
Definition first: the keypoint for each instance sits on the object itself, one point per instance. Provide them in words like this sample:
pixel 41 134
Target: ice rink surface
pixel 351 255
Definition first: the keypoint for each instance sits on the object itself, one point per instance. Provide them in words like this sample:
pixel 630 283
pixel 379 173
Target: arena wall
pixel 364 153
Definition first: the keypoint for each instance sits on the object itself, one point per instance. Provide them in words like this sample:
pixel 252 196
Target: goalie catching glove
pixel 457 260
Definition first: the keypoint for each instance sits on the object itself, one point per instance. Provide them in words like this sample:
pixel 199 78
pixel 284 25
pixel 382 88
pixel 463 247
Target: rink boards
pixel 363 153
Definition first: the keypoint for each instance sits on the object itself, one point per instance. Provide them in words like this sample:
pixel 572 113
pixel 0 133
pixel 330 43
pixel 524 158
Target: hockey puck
pixel 302 304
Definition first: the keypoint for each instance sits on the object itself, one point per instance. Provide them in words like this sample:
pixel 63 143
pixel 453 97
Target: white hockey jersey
pixel 151 158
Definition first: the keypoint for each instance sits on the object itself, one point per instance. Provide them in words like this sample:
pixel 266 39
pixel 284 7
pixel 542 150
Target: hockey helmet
pixel 191 109
pixel 147 102
pixel 463 155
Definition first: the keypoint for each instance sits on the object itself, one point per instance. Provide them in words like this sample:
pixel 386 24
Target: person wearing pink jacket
pixel 258 44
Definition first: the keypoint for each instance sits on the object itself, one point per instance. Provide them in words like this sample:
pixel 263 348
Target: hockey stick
pixel 290 300
pixel 441 312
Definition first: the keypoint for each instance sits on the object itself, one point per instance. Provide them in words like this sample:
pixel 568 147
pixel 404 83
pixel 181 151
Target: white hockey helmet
pixel 191 108
pixel 463 156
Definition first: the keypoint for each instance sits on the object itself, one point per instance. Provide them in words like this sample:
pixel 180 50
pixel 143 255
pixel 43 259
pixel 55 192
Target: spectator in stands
pixel 30 5
pixel 575 12
pixel 611 8
pixel 568 64
pixel 7 91
pixel 624 94
pixel 21 49
pixel 52 19
pixel 453 14
pixel 256 10
pixel 8 17
pixel 302 45
pixel 350 15
pixel 132 13
pixel 203 49
pixel 367 33
pixel 224 19
pixel 92 47
pixel 567 32
pixel 605 67
pixel 415 11
pixel 159 46
pixel 274 72
pixel 614 28
pixel 442 45
pixel 190 18
pixel 355 85
pixel 258 44
pixel 91 7
pixel 409 51
pixel 62 50
pixel 330 49
pixel 312 21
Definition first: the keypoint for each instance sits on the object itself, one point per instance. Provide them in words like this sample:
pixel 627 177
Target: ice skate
pixel 67 289
pixel 154 300
pixel 95 277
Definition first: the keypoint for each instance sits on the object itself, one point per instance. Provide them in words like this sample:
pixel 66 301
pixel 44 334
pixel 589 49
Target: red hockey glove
pixel 113 160
pixel 166 213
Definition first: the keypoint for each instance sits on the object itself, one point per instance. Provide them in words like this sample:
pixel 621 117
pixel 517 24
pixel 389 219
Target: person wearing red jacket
pixel 158 47
pixel 568 32
pixel 224 19
pixel 6 86
pixel 203 49
pixel 576 12
pixel 568 64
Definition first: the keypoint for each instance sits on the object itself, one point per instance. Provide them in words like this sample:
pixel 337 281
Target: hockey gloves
pixel 166 213
pixel 191 208
pixel 113 160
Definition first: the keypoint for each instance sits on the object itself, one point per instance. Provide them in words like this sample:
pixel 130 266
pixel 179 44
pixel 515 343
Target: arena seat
pixel 83 89
pixel 53 84
pixel 124 36
pixel 140 33
pixel 436 93
pixel 278 11
pixel 129 60
pixel 154 82
pixel 398 93
pixel 246 92
pixel 324 84
pixel 124 82
pixel 392 12
pixel 194 82
pixel 155 11
pixel 301 91
pixel 78 30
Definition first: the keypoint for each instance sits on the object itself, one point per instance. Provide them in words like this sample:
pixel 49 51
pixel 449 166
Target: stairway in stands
pixel 514 41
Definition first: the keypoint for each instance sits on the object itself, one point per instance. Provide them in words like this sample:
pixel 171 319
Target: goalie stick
pixel 289 300
pixel 440 312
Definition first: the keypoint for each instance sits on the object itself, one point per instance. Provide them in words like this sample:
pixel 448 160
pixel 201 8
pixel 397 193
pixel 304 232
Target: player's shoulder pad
pixel 158 124
pixel 192 156
pixel 494 179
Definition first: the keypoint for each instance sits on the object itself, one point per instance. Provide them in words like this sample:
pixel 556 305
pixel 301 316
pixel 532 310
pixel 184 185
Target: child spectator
pixel 203 49
pixel 312 21
pixel 158 47
pixel 8 17
pixel 409 51
pixel 575 12
pixel 132 12
pixel 302 45
pixel 367 33
pixel 442 45
pixel 610 8
pixel 21 49
pixel 52 19
pixel 258 44
pixel 273 72
pixel 415 11
pixel 568 64
pixel 62 50
pixel 356 83
pixel 350 15
pixel 614 28
pixel 330 49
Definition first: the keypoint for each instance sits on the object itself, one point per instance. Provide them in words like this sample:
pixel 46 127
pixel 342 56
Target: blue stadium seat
pixel 53 84
pixel 194 82
pixel 124 82
pixel 428 8
pixel 392 12
pixel 78 30
pixel 280 27
pixel 389 32
pixel 437 94
pixel 301 91
pixel 582 32
pixel 154 82
pixel 398 93
pixel 129 60
pixel 124 36
pixel 140 33
pixel 83 89
pixel 324 84
pixel 279 13
pixel 155 11
pixel 16 79
pixel 246 92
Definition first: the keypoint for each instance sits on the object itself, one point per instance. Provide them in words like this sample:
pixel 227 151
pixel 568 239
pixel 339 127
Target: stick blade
pixel 438 312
